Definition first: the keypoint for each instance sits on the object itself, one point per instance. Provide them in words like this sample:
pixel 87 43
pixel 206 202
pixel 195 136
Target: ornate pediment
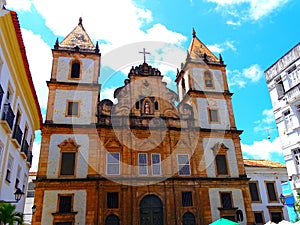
pixel 218 147
pixel 69 145
pixel 78 38
pixel 112 143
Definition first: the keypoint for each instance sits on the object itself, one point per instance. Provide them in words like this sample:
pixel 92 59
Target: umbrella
pixel 223 221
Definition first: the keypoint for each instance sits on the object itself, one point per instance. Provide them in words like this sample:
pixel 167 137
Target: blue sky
pixel 250 34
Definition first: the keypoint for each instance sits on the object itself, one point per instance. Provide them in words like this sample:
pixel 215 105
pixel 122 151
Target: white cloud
pixel 40 61
pixel 124 26
pixel 251 74
pixel 108 93
pixel 19 5
pixel 255 9
pixel 216 48
pixel 219 48
pixel 262 149
pixel 232 23
pixel 254 73
pixel 167 79
pixel 267 124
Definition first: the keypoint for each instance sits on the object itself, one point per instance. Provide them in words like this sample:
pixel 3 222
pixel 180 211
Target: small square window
pixel 258 216
pixel 276 217
pixel 226 201
pixel 213 115
pixel 183 164
pixel 73 108
pixel 113 163
pixel 65 204
pixel 112 200
pixel 186 198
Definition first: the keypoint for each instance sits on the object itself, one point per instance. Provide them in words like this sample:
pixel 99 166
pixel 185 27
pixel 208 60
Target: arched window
pixel 183 86
pixel 208 79
pixel 112 220
pixel 156 105
pixel 188 219
pixel 75 70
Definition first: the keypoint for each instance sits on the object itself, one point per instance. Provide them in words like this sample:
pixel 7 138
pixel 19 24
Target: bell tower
pixel 76 68
pixel 202 83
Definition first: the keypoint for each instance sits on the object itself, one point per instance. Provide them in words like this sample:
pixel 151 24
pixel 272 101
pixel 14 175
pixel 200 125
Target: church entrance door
pixel 151 211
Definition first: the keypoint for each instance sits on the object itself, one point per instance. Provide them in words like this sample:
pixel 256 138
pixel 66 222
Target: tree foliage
pixel 8 215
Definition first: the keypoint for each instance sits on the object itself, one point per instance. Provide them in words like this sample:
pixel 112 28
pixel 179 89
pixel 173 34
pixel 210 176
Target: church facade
pixel 145 159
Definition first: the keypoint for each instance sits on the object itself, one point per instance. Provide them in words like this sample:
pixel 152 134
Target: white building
pixel 20 114
pixel 266 178
pixel 29 202
pixel 283 79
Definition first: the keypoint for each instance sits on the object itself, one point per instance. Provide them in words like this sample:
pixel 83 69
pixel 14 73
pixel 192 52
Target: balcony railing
pixel 18 134
pixel 8 115
pixel 293 94
pixel 25 148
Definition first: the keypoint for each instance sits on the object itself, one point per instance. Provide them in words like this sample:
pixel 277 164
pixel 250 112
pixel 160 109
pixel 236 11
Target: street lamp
pixel 18 195
pixel 33 209
pixel 268 131
pixel 282 199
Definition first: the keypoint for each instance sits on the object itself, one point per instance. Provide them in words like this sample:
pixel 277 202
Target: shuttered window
pixel 221 165
pixel 67 163
pixel 112 200
pixel 271 191
pixel 65 204
pixel 186 198
pixel 254 191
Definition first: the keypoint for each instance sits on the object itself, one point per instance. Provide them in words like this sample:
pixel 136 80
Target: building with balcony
pixel 266 178
pixel 20 114
pixel 283 80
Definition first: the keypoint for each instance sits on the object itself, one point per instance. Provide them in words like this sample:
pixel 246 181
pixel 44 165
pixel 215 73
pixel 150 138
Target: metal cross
pixel 144 52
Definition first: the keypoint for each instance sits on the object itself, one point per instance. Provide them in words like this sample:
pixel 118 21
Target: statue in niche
pixel 147 108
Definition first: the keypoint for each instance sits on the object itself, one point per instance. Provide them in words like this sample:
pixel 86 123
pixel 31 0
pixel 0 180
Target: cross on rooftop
pixel 144 52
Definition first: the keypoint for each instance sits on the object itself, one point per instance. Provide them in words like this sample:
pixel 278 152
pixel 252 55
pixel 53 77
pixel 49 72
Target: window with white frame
pixel 112 163
pixel 155 164
pixel 296 153
pixel 18 177
pixel 183 161
pixel 143 163
pixel 288 120
pixel 9 169
pixel 293 75
pixel 279 87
